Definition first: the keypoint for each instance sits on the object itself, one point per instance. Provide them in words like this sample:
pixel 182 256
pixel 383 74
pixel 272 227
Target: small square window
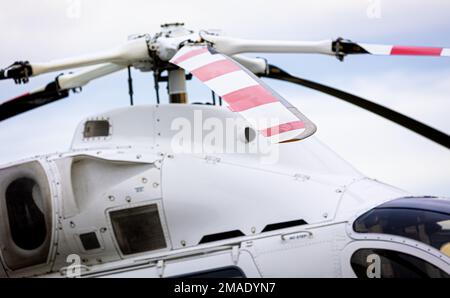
pixel 96 128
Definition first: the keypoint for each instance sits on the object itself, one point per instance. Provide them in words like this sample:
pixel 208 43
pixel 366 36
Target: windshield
pixel 423 219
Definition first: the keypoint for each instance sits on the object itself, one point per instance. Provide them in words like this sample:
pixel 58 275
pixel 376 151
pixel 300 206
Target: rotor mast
pixel 169 42
pixel 177 86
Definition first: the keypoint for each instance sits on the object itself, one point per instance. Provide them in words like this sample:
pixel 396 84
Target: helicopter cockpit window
pixel 423 219
pixel 96 128
pixel 138 229
pixel 383 263
pixel 24 204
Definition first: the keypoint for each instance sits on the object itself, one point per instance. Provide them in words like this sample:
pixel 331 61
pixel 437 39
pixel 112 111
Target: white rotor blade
pixel 339 47
pixel 231 46
pixel 256 65
pixel 81 78
pixel 133 51
pixel 270 114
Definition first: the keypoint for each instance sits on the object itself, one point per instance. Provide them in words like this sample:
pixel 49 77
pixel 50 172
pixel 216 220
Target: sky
pixel 42 30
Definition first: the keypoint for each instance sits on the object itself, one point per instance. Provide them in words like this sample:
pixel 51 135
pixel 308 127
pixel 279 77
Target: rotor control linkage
pixel 19 71
pixel 28 101
pixel 342 47
pixel 55 90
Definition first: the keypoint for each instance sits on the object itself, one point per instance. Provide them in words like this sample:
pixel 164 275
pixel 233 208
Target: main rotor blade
pixel 246 94
pixel 339 47
pixel 405 121
pixel 133 51
pixel 32 100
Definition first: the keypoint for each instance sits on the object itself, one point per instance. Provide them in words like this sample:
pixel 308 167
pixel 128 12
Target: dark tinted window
pixel 24 204
pixel 138 229
pixel 226 272
pixel 392 264
pixel 430 227
pixel 97 128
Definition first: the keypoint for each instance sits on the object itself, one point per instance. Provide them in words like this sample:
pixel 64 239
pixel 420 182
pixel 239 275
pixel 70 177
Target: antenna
pixel 130 85
pixel 156 79
pixel 213 95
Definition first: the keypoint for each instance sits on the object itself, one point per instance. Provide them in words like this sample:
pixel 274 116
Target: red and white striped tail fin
pixel 375 49
pixel 246 94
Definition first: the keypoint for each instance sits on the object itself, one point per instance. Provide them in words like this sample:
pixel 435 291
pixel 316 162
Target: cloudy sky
pixel 419 87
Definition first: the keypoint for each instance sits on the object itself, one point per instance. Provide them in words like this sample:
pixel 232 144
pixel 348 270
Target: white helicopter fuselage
pixel 124 201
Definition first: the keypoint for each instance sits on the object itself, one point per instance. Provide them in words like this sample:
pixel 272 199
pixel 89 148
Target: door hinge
pixel 160 268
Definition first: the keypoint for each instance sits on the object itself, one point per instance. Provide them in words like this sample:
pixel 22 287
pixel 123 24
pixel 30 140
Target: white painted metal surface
pixel 205 193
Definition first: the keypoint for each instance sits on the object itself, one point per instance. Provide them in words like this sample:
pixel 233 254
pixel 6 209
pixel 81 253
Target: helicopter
pixel 238 187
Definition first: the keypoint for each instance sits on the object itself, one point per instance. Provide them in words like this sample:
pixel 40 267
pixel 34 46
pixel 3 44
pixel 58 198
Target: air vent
pixel 283 225
pixel 138 229
pixel 90 241
pixel 96 128
pixel 221 236
pixel 25 206
pixel 25 215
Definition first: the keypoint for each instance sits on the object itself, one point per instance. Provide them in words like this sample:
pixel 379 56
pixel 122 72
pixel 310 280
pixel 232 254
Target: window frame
pixel 350 249
pixel 162 219
pixel 397 209
pixel 97 138
pixel 399 265
pixel 390 237
pixel 43 172
pixel 19 195
pixel 211 261
pixel 178 264
pixel 195 274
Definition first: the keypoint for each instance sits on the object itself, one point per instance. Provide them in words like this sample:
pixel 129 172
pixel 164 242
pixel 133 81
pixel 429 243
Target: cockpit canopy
pixel 425 219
